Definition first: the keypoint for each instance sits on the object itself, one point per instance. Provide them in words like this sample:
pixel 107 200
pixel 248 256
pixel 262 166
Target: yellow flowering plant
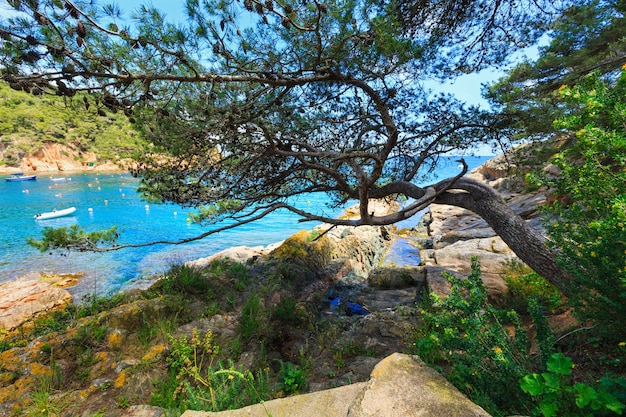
pixel 590 232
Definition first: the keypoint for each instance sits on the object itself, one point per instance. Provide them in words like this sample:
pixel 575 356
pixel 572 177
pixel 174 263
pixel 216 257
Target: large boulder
pixel 493 254
pixel 400 385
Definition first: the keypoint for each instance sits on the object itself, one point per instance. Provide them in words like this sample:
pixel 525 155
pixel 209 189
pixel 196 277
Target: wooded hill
pixel 29 122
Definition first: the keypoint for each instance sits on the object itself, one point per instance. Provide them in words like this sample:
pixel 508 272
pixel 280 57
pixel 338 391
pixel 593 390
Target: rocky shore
pixel 324 279
pixel 54 158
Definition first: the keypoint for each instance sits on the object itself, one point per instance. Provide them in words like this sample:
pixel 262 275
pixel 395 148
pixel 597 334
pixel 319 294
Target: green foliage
pixel 55 321
pixel 199 381
pixel 584 38
pixel 73 238
pixel 292 378
pixel 556 396
pixel 544 337
pixel 464 336
pixel 90 335
pixel 253 318
pixel 213 212
pixel 184 279
pixel 44 402
pixel 524 284
pixel 93 304
pixel 590 221
pixel 289 311
pixel 90 305
pixel 27 122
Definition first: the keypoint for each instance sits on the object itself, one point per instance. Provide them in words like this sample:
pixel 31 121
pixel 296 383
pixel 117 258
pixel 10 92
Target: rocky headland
pixel 54 158
pixel 325 300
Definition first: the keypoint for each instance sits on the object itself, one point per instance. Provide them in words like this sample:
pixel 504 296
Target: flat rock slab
pixel 25 297
pixel 328 403
pixel 399 386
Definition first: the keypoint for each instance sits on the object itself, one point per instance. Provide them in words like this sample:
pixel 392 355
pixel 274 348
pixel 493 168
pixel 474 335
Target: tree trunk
pixel 527 243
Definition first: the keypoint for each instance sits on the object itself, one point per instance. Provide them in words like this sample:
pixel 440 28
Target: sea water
pixel 104 200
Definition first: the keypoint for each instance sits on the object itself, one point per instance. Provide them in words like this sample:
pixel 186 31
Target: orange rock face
pixel 25 297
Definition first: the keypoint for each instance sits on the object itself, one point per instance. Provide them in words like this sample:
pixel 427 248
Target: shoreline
pixel 100 168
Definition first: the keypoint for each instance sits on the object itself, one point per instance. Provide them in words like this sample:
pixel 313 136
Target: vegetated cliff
pixel 313 313
pixel 50 134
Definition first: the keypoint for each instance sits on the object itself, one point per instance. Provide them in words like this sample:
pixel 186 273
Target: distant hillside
pixel 36 130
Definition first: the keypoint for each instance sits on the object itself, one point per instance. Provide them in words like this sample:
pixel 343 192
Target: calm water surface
pixel 104 200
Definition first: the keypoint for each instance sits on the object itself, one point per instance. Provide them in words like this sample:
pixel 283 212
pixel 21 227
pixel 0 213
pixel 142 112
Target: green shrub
pixel 465 337
pixel 557 396
pixel 55 321
pixel 292 378
pixel 253 318
pixel 93 304
pixel 199 381
pixel 524 284
pixel 183 279
pixel 289 311
pixel 590 220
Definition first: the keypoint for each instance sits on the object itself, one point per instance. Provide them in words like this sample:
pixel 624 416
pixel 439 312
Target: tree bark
pixel 527 243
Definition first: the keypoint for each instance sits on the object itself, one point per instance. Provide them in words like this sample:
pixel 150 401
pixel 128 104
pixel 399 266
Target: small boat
pixel 21 177
pixel 61 179
pixel 55 213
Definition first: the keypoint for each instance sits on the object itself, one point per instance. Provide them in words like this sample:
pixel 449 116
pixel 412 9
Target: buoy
pixel 147 207
pixel 90 210
pixel 106 202
pixel 188 220
pixel 175 213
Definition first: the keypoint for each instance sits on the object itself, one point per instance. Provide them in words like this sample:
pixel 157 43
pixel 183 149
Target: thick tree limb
pixel 527 243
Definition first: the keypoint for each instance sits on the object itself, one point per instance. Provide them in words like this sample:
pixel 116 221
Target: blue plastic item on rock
pixel 353 309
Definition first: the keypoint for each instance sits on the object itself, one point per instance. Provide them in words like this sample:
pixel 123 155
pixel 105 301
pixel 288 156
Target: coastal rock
pixel 364 246
pixel 494 255
pixel 56 157
pixel 240 254
pixel 25 297
pixel 400 385
pixel 393 278
pixel 448 224
pixel 497 290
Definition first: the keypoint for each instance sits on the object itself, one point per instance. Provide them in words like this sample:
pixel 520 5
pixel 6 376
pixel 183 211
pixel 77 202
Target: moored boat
pixel 55 213
pixel 21 177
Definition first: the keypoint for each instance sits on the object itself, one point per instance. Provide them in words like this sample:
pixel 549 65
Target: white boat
pixel 55 213
pixel 21 177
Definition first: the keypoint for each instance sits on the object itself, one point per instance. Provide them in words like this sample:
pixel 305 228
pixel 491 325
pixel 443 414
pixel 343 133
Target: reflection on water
pixel 401 254
pixel 58 222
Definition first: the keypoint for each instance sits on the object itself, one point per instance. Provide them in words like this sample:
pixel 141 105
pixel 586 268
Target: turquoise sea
pixel 103 200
